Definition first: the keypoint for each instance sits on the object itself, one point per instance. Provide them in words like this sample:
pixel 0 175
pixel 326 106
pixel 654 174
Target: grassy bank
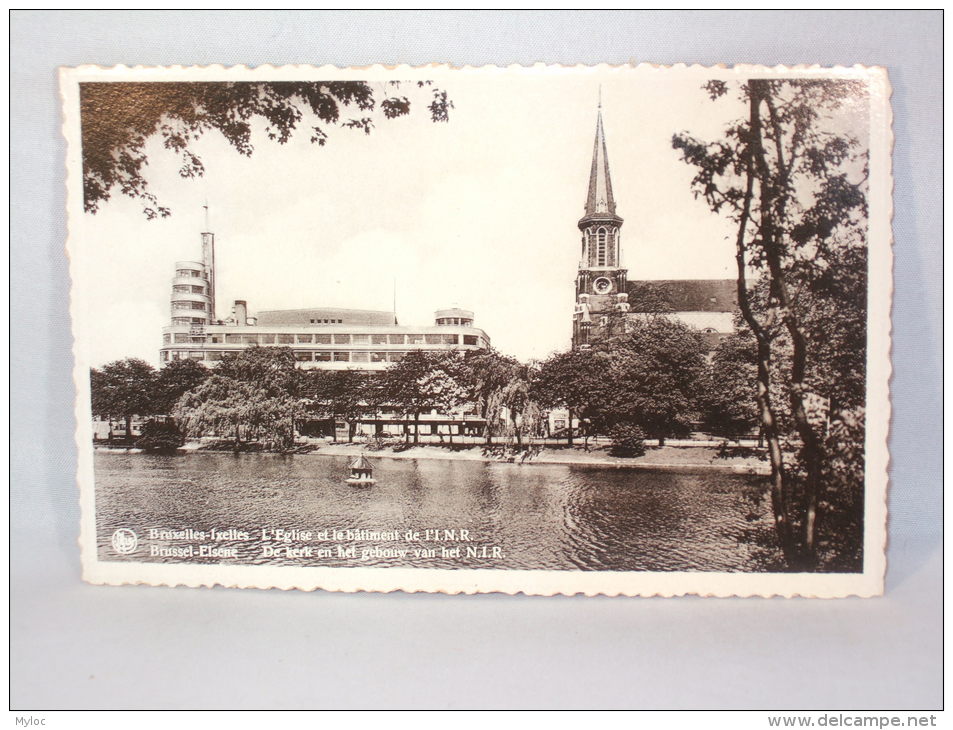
pixel 664 458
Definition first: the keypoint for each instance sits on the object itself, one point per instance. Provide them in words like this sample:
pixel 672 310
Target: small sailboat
pixel 362 474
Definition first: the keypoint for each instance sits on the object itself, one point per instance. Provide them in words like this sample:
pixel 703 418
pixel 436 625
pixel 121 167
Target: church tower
pixel 601 284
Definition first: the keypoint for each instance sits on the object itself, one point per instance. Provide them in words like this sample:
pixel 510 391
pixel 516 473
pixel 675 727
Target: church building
pixel 606 300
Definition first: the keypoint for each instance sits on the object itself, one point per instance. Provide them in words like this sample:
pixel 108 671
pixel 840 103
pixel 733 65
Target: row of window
pixel 327 321
pixel 183 337
pixel 186 306
pixel 189 320
pixel 300 356
pixel 341 339
pixel 455 320
pixel 188 288
pixel 189 272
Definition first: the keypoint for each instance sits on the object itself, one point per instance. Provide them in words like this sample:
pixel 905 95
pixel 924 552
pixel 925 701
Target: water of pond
pixel 536 516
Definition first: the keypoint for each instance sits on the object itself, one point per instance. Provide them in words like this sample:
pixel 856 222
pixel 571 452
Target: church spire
pixel 601 282
pixel 599 202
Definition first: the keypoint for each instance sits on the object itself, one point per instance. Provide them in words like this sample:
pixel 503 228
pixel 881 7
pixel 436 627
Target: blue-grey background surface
pixel 80 646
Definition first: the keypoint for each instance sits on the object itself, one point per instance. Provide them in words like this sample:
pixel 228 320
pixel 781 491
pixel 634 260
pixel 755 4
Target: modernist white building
pixel 334 339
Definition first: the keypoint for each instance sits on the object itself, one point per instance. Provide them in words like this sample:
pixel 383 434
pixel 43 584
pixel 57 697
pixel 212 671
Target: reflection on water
pixel 540 516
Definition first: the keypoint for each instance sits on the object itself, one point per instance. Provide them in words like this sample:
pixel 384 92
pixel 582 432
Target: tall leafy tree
pixel 448 381
pixel 238 409
pixel 792 175
pixel 176 378
pixel 523 410
pixel 123 389
pixel 655 371
pixel 256 393
pixel 119 118
pixel 728 404
pixel 445 383
pixel 272 370
pixel 403 386
pixel 576 380
pixel 486 375
pixel 344 394
pixel 833 302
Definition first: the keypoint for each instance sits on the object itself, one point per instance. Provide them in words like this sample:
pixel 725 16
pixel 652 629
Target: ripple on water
pixel 542 516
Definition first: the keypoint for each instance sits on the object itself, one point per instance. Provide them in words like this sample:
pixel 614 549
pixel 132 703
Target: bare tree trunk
pixel 570 426
pixel 769 426
pixel 773 203
pixel 770 429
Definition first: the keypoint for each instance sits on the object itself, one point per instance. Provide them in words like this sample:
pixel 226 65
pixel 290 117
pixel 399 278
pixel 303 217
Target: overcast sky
pixel 479 212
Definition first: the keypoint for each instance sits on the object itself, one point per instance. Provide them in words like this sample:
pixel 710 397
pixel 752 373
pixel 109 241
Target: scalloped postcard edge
pixel 868 583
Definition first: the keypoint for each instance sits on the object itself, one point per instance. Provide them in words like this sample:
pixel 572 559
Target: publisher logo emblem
pixel 125 541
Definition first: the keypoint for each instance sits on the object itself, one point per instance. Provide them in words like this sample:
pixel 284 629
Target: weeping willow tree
pixel 254 395
pixel 487 375
pixel 239 411
pixel 792 175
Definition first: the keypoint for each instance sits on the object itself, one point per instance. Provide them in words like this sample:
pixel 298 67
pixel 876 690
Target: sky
pixel 479 212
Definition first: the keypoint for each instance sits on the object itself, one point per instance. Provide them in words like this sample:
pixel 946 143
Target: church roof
pixel 600 202
pixel 683 295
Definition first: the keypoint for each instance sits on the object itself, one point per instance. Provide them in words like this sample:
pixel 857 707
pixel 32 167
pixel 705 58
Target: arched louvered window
pixel 601 247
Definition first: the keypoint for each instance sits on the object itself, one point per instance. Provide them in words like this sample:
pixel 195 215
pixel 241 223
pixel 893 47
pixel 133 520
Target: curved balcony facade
pixel 196 268
pixel 200 297
pixel 190 282
pixel 190 301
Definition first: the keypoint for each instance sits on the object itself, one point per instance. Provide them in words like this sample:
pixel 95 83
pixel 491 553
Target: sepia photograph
pixel 602 330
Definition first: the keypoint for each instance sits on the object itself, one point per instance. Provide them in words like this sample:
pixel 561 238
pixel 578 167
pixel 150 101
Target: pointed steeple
pixel 601 283
pixel 599 202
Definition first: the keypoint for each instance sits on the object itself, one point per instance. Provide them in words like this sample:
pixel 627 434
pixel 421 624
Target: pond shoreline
pixel 660 459
pixel 666 458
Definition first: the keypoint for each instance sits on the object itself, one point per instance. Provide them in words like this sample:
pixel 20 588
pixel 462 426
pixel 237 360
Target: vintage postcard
pixel 609 330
